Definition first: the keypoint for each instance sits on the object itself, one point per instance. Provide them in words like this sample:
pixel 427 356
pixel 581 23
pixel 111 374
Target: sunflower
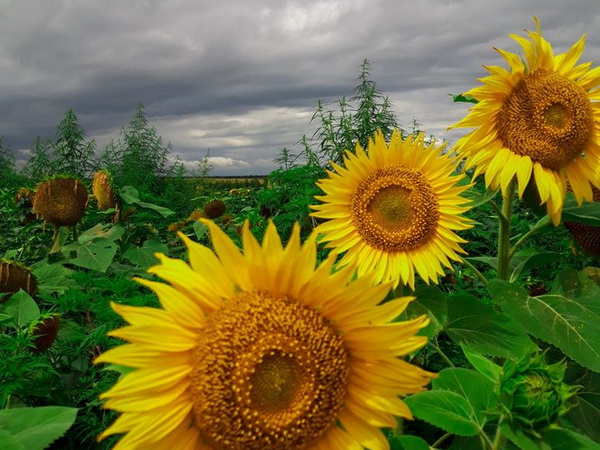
pixel 61 201
pixel 260 349
pixel 394 209
pixel 539 118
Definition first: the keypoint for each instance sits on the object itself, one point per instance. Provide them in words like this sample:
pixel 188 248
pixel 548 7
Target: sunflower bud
pixel 14 277
pixel 61 201
pixel 102 190
pixel 44 333
pixel 533 394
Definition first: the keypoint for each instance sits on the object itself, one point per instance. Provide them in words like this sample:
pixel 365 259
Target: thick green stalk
pixel 504 232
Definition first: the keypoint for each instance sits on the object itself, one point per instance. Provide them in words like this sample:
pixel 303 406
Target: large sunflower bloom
pixel 262 350
pixel 394 210
pixel 539 118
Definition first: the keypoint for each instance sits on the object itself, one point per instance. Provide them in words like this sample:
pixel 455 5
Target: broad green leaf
pixel 98 231
pixel 562 439
pixel 481 327
pixel 53 278
pixel 521 439
pixel 144 256
pixel 22 308
pixel 482 364
pixel 588 212
pixel 585 415
pixel 130 195
pixel 165 212
pixel 407 442
pixel 37 428
pixel 432 302
pixel 9 442
pixel 569 320
pixel 444 409
pixel 473 387
pixel 529 259
pixel 94 255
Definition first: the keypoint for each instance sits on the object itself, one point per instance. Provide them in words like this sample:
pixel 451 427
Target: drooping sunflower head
pixel 103 191
pixel 394 210
pixel 61 201
pixel 13 277
pixel 214 209
pixel 541 117
pixel 260 349
pixel 587 236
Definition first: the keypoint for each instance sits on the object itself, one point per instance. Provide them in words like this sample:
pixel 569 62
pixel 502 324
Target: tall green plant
pixel 139 157
pixel 353 120
pixel 72 154
pixel 40 163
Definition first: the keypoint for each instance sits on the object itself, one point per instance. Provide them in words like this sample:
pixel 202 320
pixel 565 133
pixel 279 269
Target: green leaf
pixel 36 428
pixel 22 308
pixel 407 442
pixel 53 278
pixel 461 98
pixel 98 231
pixel 588 212
pixel 473 387
pixel 94 255
pixel 432 302
pixel 529 259
pixel 130 195
pixel 562 439
pixel 9 442
pixel 569 320
pixel 482 364
pixel 481 327
pixel 489 260
pixel 444 409
pixel 61 237
pixel 144 256
pixel 521 439
pixel 478 198
pixel 199 229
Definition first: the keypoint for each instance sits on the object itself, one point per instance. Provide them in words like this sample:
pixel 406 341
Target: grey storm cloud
pixel 241 78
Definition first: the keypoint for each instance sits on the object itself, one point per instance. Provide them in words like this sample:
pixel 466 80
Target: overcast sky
pixel 242 77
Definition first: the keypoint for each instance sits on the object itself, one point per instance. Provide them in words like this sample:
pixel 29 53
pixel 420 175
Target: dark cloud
pixel 240 77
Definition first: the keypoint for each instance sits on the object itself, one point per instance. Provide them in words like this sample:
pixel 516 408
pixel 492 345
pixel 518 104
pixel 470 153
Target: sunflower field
pixel 381 290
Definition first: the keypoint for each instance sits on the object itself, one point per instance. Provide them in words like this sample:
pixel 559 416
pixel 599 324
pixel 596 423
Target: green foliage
pixel 72 155
pixel 353 121
pixel 34 428
pixel 139 157
pixel 568 317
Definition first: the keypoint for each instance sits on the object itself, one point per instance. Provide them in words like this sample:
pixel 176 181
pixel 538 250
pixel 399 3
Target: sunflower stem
pixel 504 231
pixel 499 440
pixel 441 440
pixel 543 223
pixel 440 352
pixel 477 273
